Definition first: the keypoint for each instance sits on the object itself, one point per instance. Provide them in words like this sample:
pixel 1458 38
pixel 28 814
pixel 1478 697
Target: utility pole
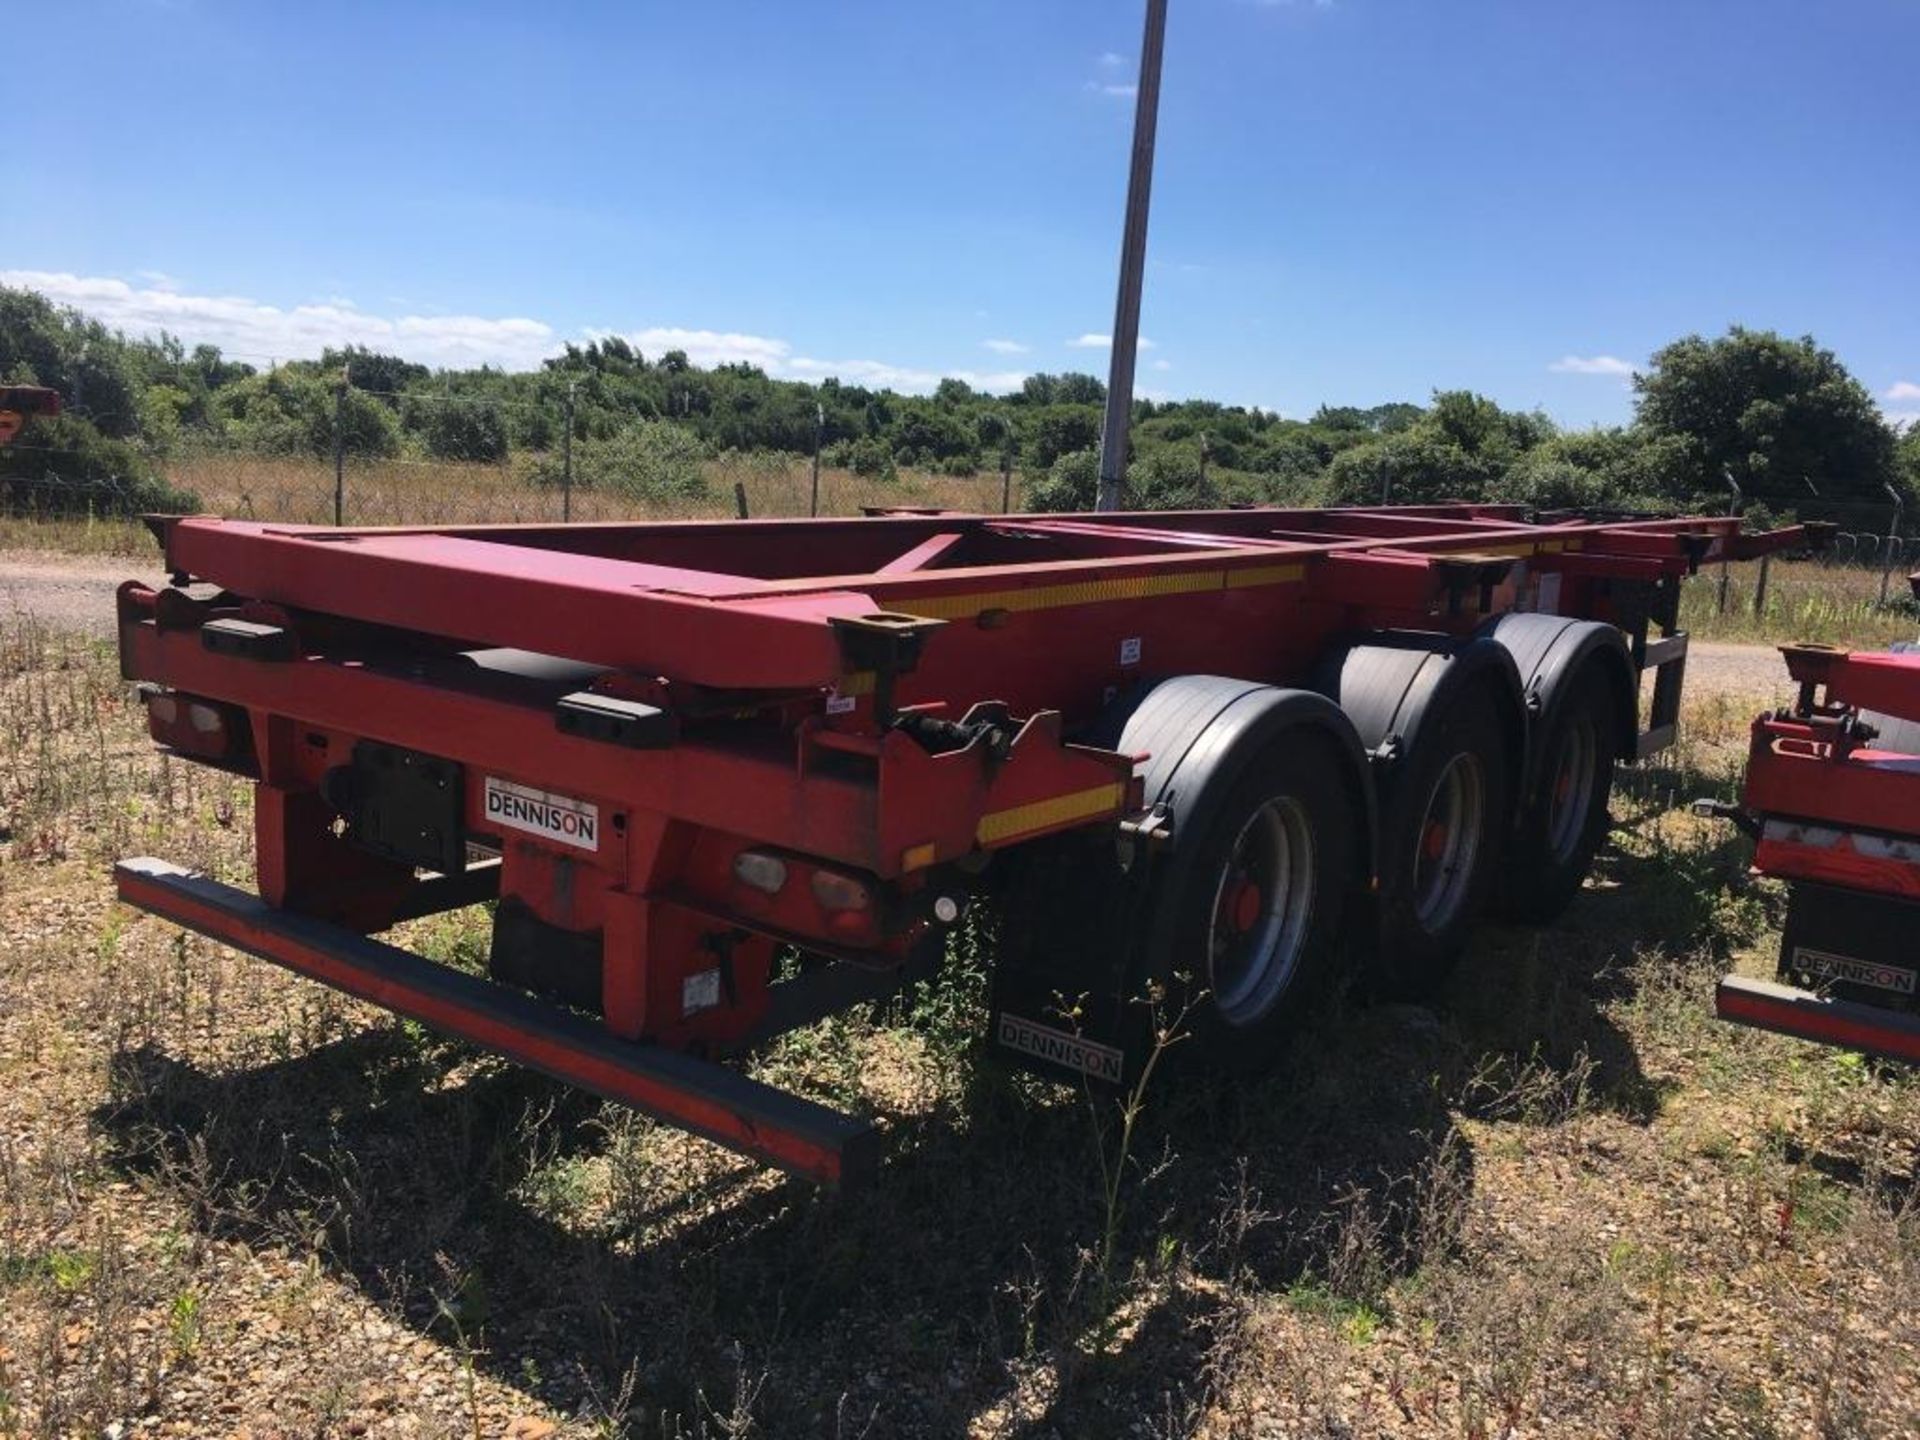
pixel 1133 254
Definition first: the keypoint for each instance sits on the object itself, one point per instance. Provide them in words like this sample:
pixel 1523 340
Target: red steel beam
pixel 793 1133
pixel 1785 1010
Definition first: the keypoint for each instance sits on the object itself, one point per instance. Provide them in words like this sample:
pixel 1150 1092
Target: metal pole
pixel 1133 253
pixel 1893 540
pixel 1006 465
pixel 1739 504
pixel 819 426
pixel 566 462
pixel 340 448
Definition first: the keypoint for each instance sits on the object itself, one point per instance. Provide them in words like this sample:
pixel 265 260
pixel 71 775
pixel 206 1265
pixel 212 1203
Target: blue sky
pixel 1355 201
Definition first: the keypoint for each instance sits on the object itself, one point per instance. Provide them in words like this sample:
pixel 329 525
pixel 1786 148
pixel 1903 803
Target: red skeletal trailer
pixel 1242 748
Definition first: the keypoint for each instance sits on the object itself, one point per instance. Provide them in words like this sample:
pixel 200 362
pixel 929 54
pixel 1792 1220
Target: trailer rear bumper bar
pixel 1785 1010
pixel 787 1131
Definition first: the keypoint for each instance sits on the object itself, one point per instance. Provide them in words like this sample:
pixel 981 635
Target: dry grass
pixel 1828 604
pixel 1563 1203
pixel 414 492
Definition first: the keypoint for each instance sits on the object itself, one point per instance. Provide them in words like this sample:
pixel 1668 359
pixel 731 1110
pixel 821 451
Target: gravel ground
pixel 68 591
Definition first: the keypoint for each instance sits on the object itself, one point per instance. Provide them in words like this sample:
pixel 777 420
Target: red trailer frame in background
pixel 875 707
pixel 1831 799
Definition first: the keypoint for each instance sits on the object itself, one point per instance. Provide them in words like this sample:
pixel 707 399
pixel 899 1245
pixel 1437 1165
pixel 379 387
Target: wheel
pixel 1562 822
pixel 1443 812
pixel 1243 922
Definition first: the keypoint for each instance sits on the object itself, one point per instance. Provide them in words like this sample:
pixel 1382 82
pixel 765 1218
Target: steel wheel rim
pixel 1255 947
pixel 1446 844
pixel 1570 799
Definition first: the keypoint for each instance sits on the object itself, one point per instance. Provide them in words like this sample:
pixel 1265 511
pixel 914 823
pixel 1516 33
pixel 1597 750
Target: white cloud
pixel 1903 419
pixel 251 330
pixel 879 373
pixel 1091 341
pixel 706 347
pixel 1004 347
pixel 1593 365
pixel 1112 60
pixel 1163 364
pixel 1903 390
pixel 1124 92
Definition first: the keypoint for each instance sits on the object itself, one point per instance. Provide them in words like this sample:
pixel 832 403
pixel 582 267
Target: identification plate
pixel 1825 965
pixel 1057 1047
pixel 559 818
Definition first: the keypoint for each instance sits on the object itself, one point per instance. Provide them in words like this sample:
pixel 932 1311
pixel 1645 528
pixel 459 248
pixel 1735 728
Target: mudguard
pixel 1547 651
pixel 1389 683
pixel 1074 908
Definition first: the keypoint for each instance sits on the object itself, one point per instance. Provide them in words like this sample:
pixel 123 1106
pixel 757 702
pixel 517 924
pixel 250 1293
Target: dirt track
pixel 76 593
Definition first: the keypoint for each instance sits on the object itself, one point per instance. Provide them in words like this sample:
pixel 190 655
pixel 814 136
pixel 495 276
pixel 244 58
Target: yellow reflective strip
pixel 1094 592
pixel 1050 597
pixel 854 682
pixel 917 857
pixel 1044 814
pixel 1264 575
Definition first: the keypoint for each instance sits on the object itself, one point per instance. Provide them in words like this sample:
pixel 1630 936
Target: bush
pixel 460 429
pixel 648 460
pixel 868 456
pixel 1071 483
pixel 291 412
pixel 64 466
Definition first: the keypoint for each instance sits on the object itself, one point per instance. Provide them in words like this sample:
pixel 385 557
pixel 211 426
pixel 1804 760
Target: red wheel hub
pixel 1433 843
pixel 1243 905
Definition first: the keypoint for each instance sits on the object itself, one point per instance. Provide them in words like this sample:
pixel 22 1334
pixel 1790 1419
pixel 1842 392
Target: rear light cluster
pixel 846 902
pixel 846 905
pixel 193 726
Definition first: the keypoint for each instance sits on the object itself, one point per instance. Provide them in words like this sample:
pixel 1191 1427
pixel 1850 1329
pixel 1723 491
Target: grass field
pixel 1562 1202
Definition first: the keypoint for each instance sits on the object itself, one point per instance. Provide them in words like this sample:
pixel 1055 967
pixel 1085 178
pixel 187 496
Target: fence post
pixel 1738 506
pixel 1203 460
pixel 340 448
pixel 1760 587
pixel 1386 480
pixel 740 497
pixel 1893 541
pixel 566 462
pixel 1006 468
pixel 819 427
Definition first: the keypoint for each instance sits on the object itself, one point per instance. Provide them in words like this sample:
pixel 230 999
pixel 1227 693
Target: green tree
pixel 1773 412
pixel 59 347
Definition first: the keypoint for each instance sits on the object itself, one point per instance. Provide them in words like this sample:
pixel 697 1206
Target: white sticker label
pixel 1130 650
pixel 559 818
pixel 1547 602
pixel 1103 1062
pixel 1825 965
pixel 700 991
pixel 838 704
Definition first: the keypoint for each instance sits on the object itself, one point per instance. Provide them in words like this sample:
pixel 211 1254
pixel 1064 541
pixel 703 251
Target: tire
pixel 1242 923
pixel 1443 817
pixel 1561 824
